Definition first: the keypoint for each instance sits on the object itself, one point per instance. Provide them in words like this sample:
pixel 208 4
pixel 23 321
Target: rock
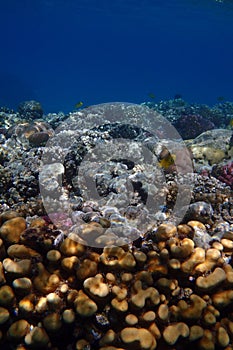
pixel 38 138
pixel 200 211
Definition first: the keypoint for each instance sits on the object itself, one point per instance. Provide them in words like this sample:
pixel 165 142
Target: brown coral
pixel 212 281
pixel 117 257
pixel 140 295
pixel 141 336
pixel 174 331
pixel 164 292
pixel 96 286
pixel 84 306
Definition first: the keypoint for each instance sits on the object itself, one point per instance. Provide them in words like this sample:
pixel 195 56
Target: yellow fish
pixel 231 124
pixel 78 104
pixel 167 161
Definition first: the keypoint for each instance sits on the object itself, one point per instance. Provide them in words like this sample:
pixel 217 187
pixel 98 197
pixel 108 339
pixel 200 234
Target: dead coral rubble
pixel 173 294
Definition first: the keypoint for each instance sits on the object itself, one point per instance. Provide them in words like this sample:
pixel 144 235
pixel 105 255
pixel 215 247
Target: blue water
pixel 60 52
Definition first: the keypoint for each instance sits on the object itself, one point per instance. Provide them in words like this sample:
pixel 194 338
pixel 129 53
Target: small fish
pixel 78 104
pixel 166 162
pixel 151 95
pixel 221 98
pixel 166 159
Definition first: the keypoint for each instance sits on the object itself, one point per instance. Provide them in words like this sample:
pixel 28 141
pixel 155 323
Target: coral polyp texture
pixel 224 173
pixel 90 276
pixel 162 291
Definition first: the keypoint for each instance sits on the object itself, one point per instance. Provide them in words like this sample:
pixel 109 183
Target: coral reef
pixel 220 115
pixel 93 274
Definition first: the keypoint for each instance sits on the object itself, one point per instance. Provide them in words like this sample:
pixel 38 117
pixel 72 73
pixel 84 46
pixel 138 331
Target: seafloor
pixel 102 247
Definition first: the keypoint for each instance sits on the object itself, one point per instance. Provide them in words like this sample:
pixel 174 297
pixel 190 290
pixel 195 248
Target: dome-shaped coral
pixel 190 126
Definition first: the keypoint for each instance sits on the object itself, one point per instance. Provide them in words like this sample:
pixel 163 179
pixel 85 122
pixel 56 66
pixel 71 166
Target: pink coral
pixel 224 173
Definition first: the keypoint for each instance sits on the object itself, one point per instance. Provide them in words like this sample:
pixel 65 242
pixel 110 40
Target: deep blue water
pixel 60 52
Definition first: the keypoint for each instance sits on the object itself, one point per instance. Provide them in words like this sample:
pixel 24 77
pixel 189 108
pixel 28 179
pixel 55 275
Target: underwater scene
pixel 116 175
